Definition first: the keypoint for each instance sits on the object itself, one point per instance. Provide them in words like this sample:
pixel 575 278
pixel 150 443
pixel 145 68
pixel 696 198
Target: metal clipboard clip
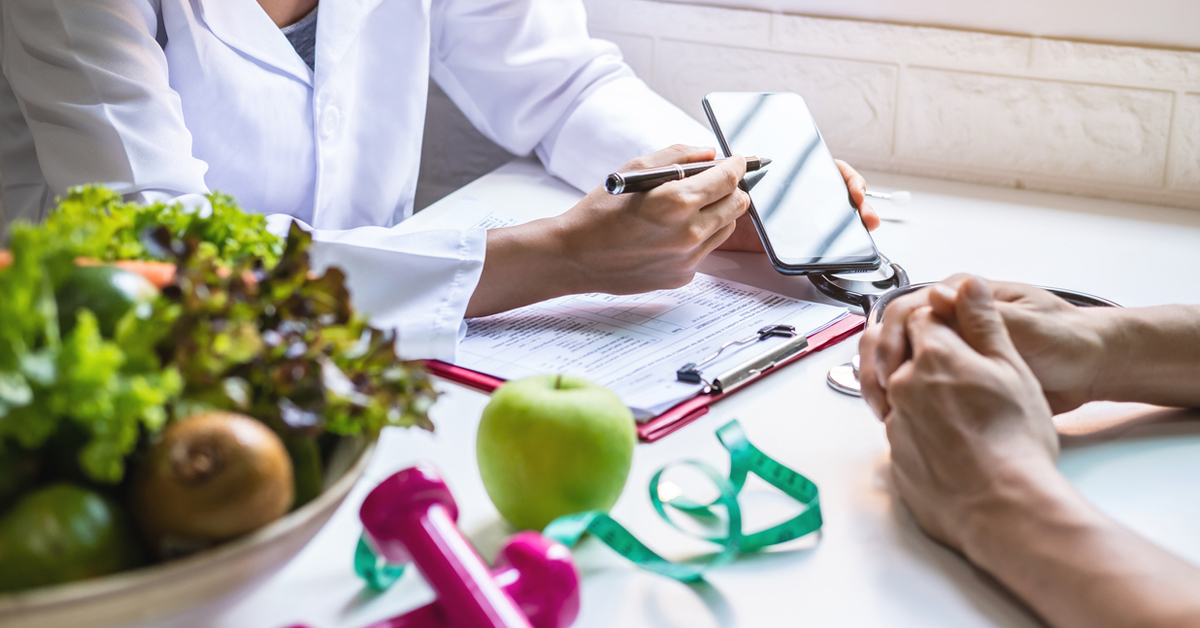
pixel 750 369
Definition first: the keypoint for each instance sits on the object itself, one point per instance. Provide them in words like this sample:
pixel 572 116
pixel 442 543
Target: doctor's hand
pixel 967 420
pixel 745 236
pixel 1064 345
pixel 617 244
pixel 631 243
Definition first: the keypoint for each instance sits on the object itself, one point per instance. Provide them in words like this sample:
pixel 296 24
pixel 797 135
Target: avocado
pixel 61 533
pixel 107 291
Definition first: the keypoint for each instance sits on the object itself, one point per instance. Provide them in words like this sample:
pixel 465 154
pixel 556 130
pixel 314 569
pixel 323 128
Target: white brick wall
pixel 1090 119
pixel 1185 150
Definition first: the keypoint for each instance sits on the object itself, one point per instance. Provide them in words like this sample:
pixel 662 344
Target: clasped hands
pixel 966 375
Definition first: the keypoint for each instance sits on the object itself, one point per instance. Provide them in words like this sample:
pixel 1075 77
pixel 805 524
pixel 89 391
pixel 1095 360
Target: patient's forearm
pixel 1153 356
pixel 1076 567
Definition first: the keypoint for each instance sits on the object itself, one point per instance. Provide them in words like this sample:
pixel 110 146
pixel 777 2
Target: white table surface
pixel 870 566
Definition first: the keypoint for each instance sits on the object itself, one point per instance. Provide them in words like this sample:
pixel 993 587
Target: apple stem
pixel 558 382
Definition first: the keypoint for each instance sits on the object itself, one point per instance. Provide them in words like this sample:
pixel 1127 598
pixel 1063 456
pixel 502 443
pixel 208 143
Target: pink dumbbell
pixel 411 517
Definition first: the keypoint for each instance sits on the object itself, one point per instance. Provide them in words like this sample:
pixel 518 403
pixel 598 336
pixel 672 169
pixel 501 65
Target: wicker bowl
pixel 173 587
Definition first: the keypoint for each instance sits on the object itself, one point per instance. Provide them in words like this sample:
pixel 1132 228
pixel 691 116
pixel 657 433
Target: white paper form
pixel 633 345
pixel 630 344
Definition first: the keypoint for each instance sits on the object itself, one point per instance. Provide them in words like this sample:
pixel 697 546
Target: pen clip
pixel 690 372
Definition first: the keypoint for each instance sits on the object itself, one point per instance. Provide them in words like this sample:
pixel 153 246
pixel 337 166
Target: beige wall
pixel 1162 23
pixel 1081 118
pixel 1090 119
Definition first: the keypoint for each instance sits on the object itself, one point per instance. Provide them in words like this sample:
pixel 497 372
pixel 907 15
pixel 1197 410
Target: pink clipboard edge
pixel 685 411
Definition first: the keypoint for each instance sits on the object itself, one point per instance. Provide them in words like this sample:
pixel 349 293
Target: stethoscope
pixel 872 292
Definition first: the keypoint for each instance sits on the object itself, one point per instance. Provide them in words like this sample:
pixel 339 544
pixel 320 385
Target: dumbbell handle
pixel 535 572
pixel 410 517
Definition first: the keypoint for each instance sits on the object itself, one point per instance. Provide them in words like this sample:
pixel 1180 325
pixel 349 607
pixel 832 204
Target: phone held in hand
pixel 799 203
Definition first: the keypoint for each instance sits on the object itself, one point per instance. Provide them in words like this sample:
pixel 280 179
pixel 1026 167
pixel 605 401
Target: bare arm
pixel 1075 566
pixel 1153 356
pixel 973 452
pixel 1149 355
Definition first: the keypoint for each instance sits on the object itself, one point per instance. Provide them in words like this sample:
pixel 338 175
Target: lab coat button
pixel 330 118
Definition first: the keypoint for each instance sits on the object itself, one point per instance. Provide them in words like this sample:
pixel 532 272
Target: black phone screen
pixel 800 203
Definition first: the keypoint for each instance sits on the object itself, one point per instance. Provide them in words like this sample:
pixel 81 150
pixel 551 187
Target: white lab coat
pixel 173 98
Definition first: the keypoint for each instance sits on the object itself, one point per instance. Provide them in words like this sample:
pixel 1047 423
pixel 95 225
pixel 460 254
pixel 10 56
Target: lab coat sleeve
pixel 416 282
pixel 619 120
pixel 92 84
pixel 526 73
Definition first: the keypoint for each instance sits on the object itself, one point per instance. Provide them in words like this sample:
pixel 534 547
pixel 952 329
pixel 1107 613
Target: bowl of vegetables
pixel 184 402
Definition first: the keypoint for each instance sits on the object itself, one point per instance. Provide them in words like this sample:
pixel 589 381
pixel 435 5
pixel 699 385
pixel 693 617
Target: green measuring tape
pixel 374 569
pixel 744 459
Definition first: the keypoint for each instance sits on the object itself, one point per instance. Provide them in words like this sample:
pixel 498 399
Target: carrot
pixel 161 274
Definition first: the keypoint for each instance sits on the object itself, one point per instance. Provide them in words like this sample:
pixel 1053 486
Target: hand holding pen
pixel 648 179
pixel 616 244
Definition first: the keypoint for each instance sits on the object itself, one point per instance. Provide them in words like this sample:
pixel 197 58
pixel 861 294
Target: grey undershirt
pixel 303 35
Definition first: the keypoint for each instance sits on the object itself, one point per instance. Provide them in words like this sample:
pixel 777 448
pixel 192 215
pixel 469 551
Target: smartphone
pixel 799 202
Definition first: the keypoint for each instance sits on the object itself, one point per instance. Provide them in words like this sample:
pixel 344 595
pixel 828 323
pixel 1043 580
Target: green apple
pixel 553 445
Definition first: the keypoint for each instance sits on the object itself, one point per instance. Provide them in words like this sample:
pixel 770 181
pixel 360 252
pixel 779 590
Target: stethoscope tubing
pixel 873 305
pixel 1074 297
pixel 864 302
pixel 844 378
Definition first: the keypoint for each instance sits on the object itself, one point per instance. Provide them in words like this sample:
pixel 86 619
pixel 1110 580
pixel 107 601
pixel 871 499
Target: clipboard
pixel 687 410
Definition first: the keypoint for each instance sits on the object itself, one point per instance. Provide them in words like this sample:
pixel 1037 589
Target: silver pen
pixel 643 180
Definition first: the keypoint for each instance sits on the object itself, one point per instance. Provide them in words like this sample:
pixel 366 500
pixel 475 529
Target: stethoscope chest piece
pixel 844 378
